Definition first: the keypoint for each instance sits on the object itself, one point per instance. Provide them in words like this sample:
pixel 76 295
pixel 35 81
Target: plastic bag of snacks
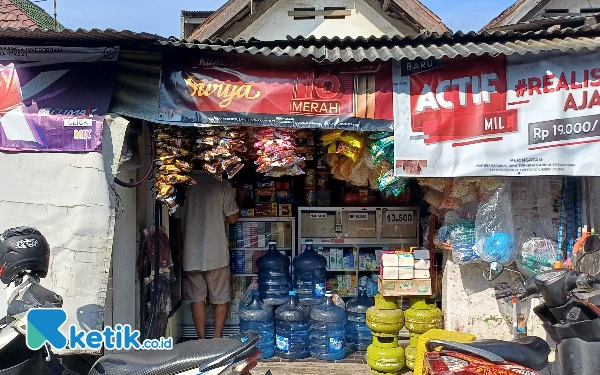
pixel 276 151
pixel 461 238
pixel 173 163
pixel 346 143
pixel 494 232
pixel 221 150
pixel 536 250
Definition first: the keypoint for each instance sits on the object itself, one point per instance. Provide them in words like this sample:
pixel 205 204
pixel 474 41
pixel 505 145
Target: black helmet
pixel 23 250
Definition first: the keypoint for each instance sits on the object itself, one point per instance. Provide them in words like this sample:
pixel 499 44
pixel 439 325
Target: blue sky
pixel 162 17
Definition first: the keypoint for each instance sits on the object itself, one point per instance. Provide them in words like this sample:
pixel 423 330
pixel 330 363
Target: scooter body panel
pixel 578 357
pixel 465 364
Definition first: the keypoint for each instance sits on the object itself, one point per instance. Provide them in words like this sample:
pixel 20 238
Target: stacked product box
pixel 344 285
pixel 405 273
pixel 369 261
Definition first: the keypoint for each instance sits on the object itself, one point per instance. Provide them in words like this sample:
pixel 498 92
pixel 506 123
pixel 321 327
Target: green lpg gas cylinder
pixel 385 321
pixel 421 316
pixel 384 356
pixel 410 352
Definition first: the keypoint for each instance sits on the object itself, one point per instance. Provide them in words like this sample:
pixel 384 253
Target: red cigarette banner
pixel 240 90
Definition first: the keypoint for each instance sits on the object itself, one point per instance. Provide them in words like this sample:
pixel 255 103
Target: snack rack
pixel 351 239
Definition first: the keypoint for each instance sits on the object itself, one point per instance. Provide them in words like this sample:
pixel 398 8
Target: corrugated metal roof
pixel 77 36
pixel 409 47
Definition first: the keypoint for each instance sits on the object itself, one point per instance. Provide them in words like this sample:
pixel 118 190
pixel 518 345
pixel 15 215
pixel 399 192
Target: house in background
pixel 278 19
pixel 25 14
pixel 190 20
pixel 525 15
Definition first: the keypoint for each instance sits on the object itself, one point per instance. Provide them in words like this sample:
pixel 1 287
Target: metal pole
pixel 55 15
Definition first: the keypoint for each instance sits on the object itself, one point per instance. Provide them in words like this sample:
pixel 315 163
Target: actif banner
pixel 498 116
pixel 238 90
pixel 54 99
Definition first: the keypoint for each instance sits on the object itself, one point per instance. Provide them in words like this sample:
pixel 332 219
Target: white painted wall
pixel 275 24
pixel 68 197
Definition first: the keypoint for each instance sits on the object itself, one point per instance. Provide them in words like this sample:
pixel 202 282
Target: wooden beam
pixel 318 13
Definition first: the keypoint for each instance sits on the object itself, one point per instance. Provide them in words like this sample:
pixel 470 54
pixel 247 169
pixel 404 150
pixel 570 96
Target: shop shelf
pixel 258 248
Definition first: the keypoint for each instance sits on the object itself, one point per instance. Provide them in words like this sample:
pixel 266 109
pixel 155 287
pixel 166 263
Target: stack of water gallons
pixel 420 318
pixel 273 287
pixel 385 320
pixel 292 329
pixel 310 273
pixel 358 335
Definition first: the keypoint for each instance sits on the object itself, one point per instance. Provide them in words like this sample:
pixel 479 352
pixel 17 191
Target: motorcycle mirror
pixel 591 244
pixel 492 271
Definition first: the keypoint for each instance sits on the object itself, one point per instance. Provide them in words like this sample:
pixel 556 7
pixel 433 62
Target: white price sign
pixel 318 215
pixel 358 216
pixel 399 217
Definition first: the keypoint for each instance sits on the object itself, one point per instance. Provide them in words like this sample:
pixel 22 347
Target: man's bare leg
pixel 199 316
pixel 220 317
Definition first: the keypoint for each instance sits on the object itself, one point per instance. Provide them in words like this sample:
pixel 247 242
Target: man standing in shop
pixel 208 205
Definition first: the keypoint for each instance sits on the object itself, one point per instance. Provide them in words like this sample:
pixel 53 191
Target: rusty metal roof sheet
pixel 94 36
pixel 409 47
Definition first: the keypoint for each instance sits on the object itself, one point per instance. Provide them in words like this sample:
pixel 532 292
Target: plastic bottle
pixel 327 331
pixel 310 274
pixel 292 329
pixel 273 276
pixel 358 335
pixel 258 318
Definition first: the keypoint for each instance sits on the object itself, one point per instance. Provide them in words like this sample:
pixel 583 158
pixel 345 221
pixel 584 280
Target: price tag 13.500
pixel 399 217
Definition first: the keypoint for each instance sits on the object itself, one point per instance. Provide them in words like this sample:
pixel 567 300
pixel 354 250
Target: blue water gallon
pixel 292 326
pixel 310 274
pixel 358 335
pixel 327 331
pixel 273 276
pixel 256 317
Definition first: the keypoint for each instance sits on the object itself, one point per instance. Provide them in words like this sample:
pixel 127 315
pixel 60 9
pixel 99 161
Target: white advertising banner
pixel 498 116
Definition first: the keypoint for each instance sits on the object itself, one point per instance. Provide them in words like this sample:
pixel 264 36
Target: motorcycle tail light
pixel 247 364
pixel 454 363
pixel 436 365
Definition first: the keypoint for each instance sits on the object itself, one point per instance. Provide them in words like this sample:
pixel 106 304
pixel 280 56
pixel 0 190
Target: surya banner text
pixel 498 116
pixel 53 99
pixel 238 90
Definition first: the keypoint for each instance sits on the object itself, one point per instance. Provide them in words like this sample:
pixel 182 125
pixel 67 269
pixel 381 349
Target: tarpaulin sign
pixel 53 99
pixel 491 116
pixel 238 90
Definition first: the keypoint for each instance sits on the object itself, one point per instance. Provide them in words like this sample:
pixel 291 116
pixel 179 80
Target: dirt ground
pixel 314 368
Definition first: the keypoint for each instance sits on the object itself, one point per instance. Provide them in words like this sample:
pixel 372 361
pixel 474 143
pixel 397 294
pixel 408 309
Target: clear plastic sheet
pixel 494 228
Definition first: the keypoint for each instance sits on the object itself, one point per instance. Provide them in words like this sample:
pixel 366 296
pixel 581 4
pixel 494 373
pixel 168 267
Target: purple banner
pixel 53 99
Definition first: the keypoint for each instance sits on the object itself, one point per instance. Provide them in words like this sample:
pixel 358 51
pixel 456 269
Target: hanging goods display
pixel 494 228
pixel 173 158
pixel 276 151
pixel 221 150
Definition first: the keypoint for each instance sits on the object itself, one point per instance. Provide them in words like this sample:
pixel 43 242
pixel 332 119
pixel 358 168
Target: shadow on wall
pixel 90 317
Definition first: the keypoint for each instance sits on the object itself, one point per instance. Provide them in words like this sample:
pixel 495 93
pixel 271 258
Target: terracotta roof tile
pixel 22 14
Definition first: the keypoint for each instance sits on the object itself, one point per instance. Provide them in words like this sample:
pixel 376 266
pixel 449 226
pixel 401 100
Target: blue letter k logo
pixel 43 325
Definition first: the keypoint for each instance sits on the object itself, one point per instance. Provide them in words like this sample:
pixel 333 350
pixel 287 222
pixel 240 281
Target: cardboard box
pixel 422 264
pixel 266 184
pixel 247 212
pixel 339 259
pixel 389 259
pixel 389 273
pixel 332 260
pixel 406 260
pixel 264 192
pixel 406 273
pixel 421 253
pixel 346 262
pixel 422 274
pixel 285 210
pixel 413 287
pixel 362 263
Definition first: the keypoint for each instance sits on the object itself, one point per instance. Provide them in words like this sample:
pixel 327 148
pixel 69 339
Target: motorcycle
pixel 233 355
pixel 571 321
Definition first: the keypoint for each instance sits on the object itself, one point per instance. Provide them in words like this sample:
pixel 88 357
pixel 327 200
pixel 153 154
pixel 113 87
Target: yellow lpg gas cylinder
pixel 384 356
pixel 421 316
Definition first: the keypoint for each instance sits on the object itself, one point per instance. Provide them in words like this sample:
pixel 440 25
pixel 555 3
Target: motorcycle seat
pixel 185 356
pixel 528 351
